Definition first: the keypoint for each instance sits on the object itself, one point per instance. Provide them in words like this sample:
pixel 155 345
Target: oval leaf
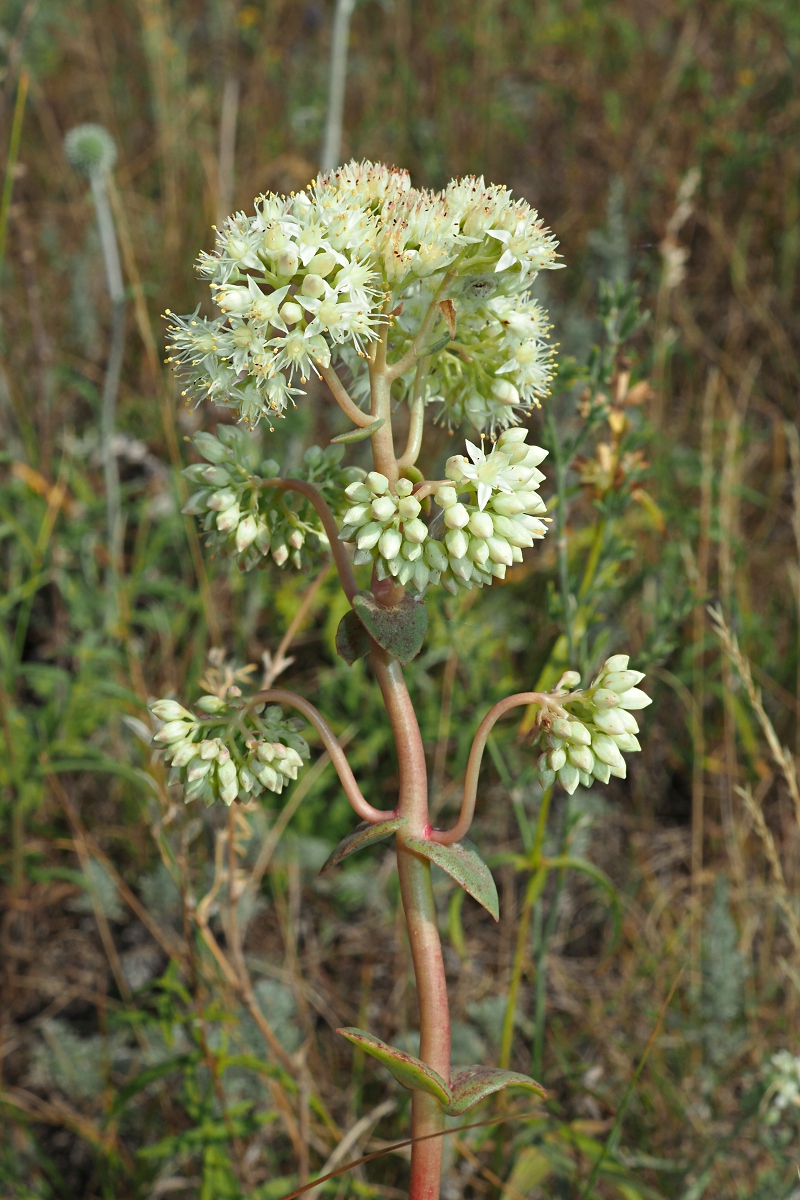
pixel 464 864
pixel 406 1069
pixel 358 435
pixel 363 835
pixel 352 639
pixel 472 1084
pixel 400 630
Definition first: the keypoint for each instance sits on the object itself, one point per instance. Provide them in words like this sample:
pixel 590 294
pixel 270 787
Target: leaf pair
pixel 467 1088
pixel 399 630
pixel 461 861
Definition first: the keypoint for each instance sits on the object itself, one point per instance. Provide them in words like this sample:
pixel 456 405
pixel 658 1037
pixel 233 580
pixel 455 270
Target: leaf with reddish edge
pixel 463 863
pixel 400 630
pixel 470 1085
pixel 352 639
pixel 363 835
pixel 406 1069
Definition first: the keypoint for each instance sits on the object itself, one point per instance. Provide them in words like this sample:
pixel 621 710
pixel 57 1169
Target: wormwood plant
pixel 396 298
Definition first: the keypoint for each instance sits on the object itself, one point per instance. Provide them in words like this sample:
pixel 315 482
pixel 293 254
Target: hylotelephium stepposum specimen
pixel 392 295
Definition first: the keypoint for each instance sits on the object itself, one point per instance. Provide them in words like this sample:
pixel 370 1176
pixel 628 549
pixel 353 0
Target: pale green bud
pixel 480 524
pixel 456 516
pixel 415 531
pixel 357 515
pixel 532 503
pixel 604 698
pixel 634 699
pixel 556 759
pixel 609 721
pixel 211 704
pixel 208 748
pixel 384 508
pixel 456 542
pixel 568 681
pixel 390 543
pixel 170 710
pixel 446 496
pixel 409 507
pixel 358 493
pixel 228 775
pixel 601 771
pixel 478 551
pixel 228 520
pixel 629 723
pixel 619 770
pixel 234 300
pixel 173 731
pixel 291 312
pixel 246 779
pixel 507 506
pixel 461 567
pixel 581 757
pixel 622 681
pixel 376 483
pixel 404 488
pixel 627 742
pixel 512 436
pixel 288 261
pixel 266 775
pixel 617 662
pixel 606 749
pixel 411 551
pixel 322 263
pixel 498 570
pixel 296 539
pixel 313 285
pixel 198 769
pixel 221 500
pixel 500 551
pixel 246 533
pixel 561 727
pixel 369 535
pixel 223 755
pixel 568 778
pixel 435 556
pixel 265 751
pixel 514 533
pixel 505 392
pixel 280 551
pixel 579 734
pixel 184 752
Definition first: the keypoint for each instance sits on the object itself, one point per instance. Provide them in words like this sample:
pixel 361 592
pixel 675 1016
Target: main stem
pixel 427 1116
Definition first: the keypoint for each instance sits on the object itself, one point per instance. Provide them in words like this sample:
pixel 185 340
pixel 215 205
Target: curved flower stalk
pixel 390 294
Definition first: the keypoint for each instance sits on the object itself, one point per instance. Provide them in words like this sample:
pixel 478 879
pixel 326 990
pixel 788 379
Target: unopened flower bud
pixel 505 392
pixel 229 519
pixel 480 524
pixel 634 699
pixel 369 535
pixel 173 731
pixel 606 749
pixel 581 757
pixel 198 769
pixel 170 710
pixel 384 508
pixel 221 500
pixel 313 285
pixel 288 262
pixel 604 698
pixel 568 778
pixel 246 533
pixel 621 681
pixel 291 312
pixel 435 556
pixel 376 482
pixel 409 507
pixel 456 542
pixel 322 263
pixel 211 704
pixel 456 517
pixel 617 662
pixel 390 543
pixel 415 531
pixel 184 752
pixel 446 496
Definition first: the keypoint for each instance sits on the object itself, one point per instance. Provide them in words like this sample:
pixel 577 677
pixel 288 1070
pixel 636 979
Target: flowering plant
pixel 394 297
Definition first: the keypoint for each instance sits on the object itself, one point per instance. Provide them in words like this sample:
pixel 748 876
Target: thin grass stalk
pixel 793 439
pixel 11 161
pixel 331 153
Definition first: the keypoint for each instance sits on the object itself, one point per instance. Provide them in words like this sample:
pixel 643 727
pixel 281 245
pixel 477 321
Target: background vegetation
pixel 660 141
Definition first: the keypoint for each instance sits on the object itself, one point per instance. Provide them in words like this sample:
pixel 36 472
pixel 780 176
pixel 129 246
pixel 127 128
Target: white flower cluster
pixel 485 531
pixel 243 518
pixel 784 1089
pixel 313 276
pixel 230 753
pixel 585 732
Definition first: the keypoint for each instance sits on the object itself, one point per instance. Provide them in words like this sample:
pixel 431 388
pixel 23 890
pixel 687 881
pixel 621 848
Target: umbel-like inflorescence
pixel 244 518
pixel 583 733
pixel 487 513
pixel 310 280
pixel 232 751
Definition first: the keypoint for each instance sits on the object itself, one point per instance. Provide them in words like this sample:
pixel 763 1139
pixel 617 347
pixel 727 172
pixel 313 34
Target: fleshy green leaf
pixel 358 435
pixel 464 864
pixel 363 835
pixel 472 1084
pixel 352 639
pixel 400 630
pixel 406 1069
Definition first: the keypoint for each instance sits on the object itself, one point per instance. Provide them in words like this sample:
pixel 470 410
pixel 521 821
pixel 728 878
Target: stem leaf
pixel 462 862
pixel 363 835
pixel 400 630
pixel 352 639
pixel 472 1084
pixel 407 1070
pixel 358 435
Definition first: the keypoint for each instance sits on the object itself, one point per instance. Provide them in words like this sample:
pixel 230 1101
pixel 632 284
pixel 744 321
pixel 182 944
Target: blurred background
pixel 650 976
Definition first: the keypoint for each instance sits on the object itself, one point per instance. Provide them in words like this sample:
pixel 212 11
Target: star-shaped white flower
pixel 489 472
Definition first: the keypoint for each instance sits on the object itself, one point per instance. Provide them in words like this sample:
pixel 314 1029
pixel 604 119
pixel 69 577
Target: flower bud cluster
pixel 308 278
pixel 243 518
pixel 231 752
pixel 491 512
pixel 488 516
pixel 583 734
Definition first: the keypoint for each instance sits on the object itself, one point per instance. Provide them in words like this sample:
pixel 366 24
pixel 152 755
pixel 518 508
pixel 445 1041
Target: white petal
pixel 484 495
pixel 475 453
pixel 507 259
